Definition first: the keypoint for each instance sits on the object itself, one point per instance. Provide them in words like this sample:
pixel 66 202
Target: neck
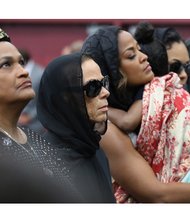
pixel 16 135
pixel 9 119
pixel 9 115
pixel 9 127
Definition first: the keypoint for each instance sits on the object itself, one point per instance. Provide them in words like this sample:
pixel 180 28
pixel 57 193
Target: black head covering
pixel 161 32
pixel 168 36
pixel 4 36
pixel 61 105
pixel 102 46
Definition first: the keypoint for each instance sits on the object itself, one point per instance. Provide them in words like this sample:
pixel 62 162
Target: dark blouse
pixel 90 176
pixel 45 177
pixel 62 110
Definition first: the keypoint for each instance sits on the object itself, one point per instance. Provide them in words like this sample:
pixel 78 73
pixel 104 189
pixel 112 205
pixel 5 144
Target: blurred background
pixel 46 39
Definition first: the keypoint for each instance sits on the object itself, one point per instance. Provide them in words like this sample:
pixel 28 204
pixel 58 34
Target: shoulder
pixel 115 141
pixel 34 137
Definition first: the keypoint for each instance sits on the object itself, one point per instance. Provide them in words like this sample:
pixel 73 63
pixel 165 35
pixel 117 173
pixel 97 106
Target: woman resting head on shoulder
pixel 114 49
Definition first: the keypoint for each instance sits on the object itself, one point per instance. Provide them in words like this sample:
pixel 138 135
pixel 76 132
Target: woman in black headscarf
pixel 102 46
pixel 72 106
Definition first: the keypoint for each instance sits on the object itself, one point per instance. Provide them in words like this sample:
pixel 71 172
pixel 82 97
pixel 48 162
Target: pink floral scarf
pixel 164 137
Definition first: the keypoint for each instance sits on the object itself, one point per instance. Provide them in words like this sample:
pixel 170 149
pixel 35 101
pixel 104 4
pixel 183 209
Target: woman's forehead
pixel 7 48
pixel 91 69
pixel 178 51
pixel 126 41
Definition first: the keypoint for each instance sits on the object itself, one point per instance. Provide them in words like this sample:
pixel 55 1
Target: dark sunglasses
pixel 93 87
pixel 177 67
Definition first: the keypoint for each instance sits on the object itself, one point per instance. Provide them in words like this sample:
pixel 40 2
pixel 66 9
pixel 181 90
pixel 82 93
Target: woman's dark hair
pixel 25 53
pixel 187 43
pixel 153 48
pixel 168 36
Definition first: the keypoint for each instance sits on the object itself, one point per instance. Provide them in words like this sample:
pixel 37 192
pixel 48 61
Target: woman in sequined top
pixel 29 164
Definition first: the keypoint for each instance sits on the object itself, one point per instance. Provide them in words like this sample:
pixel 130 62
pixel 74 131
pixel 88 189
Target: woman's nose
pixel 22 71
pixel 143 56
pixel 183 77
pixel 105 92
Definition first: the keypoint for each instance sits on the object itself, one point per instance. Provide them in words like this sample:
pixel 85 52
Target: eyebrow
pixel 128 49
pixel 131 48
pixel 174 60
pixel 11 57
pixel 6 57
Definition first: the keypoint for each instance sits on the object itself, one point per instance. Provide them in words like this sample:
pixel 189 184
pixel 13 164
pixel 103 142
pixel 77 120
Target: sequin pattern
pixel 41 155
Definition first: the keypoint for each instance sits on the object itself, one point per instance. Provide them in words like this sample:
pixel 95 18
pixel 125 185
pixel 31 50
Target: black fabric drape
pixel 62 110
pixel 61 107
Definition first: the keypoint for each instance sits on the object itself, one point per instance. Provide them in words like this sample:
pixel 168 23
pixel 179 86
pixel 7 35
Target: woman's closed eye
pixel 131 57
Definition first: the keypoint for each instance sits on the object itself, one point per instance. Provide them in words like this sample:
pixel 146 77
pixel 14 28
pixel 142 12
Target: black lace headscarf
pixel 61 105
pixel 102 46
pixel 168 36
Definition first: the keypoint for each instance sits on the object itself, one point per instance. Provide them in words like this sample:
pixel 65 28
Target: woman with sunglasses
pixel 72 106
pixel 178 56
pixel 118 54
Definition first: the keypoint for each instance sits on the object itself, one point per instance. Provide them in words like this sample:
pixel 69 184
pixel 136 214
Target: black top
pixel 62 111
pixel 33 172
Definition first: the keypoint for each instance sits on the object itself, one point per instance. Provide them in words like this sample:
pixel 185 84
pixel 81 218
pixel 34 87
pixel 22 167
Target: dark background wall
pixel 45 38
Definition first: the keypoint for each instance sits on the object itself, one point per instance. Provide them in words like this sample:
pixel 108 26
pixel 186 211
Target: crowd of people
pixel 111 120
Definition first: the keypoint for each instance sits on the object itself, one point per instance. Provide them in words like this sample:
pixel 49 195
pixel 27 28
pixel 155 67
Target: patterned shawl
pixel 166 123
pixel 164 137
